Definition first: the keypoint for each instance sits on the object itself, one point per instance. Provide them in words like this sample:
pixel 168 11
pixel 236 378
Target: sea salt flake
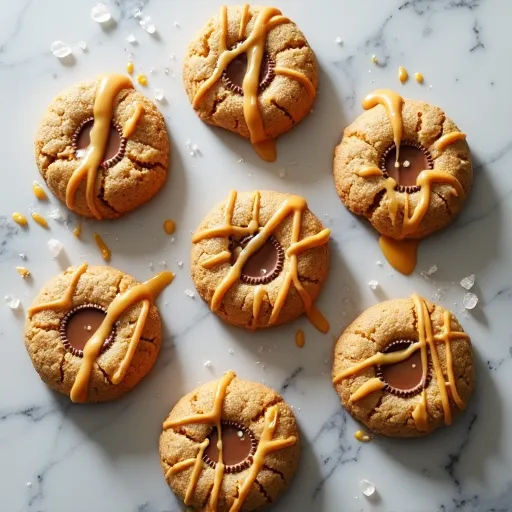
pixel 159 94
pixel 60 49
pixel 367 487
pixel 83 45
pixel 240 434
pixel 147 24
pixel 57 215
pixel 378 263
pixel 176 24
pixel 231 351
pixel 131 39
pixel 207 364
pixel 432 270
pixel 190 293
pixel 12 301
pixel 166 71
pixel 470 300
pixel 55 247
pixel 23 256
pixel 406 163
pixel 137 13
pixel 468 282
pixel 338 40
pixel 282 172
pixel 100 13
pixel 373 284
pixel 180 264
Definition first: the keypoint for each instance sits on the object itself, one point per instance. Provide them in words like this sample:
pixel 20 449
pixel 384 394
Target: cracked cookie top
pixel 103 148
pixel 86 302
pixel 404 367
pixel 412 192
pixel 260 258
pixel 230 445
pixel 250 70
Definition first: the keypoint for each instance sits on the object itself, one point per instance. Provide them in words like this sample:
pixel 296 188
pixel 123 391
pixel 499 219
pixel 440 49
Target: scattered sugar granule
pixel 282 172
pixel 470 300
pixel 338 40
pixel 23 256
pixel 367 487
pixel 55 247
pixel 12 301
pixel 378 263
pixel 468 282
pixel 190 293
pixel 147 24
pixel 131 39
pixel 83 45
pixel 159 94
pixel 100 13
pixel 180 264
pixel 373 284
pixel 192 148
pixel 208 364
pixel 60 49
pixel 57 215
pixel 231 351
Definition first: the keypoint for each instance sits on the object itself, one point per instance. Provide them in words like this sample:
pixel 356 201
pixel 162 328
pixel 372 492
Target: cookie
pixel 407 193
pixel 93 332
pixel 260 258
pixel 126 163
pixel 250 70
pixel 253 462
pixel 404 367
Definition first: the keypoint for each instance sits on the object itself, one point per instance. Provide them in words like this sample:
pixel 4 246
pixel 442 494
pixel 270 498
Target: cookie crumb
pixel 60 49
pixel 470 300
pixel 55 247
pixel 373 284
pixel 100 13
pixel 190 293
pixel 367 487
pixel 23 272
pixel 12 302
pixel 468 282
pixel 403 76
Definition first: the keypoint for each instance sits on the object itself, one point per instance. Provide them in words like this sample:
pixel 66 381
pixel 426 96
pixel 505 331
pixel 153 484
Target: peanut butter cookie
pixel 250 70
pixel 230 445
pixel 93 332
pixel 103 148
pixel 260 259
pixel 404 367
pixel 409 192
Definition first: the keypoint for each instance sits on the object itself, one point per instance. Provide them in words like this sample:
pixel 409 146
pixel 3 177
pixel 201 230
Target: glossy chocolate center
pixel 236 445
pixel 237 68
pixel 407 374
pixel 263 262
pixel 412 162
pixel 81 325
pixel 84 139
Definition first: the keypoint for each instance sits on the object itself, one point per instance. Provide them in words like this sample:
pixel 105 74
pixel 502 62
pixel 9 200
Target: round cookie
pixel 284 80
pixel 129 165
pixel 404 367
pixel 369 183
pixel 260 258
pixel 70 310
pixel 260 446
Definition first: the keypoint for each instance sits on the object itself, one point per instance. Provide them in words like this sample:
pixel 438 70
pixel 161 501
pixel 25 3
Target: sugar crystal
pixel 57 215
pixel 100 13
pixel 55 247
pixel 60 49
pixel 367 487
pixel 373 284
pixel 159 94
pixel 131 39
pixel 12 301
pixel 338 40
pixel 147 24
pixel 468 282
pixel 190 293
pixel 470 300
pixel 207 364
pixel 83 45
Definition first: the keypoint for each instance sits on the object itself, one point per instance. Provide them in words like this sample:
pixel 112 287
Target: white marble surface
pixel 58 457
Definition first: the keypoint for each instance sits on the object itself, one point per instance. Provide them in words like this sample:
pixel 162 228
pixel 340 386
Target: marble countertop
pixel 57 456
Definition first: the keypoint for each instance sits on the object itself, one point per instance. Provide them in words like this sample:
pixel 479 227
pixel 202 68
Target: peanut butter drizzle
pixel 40 220
pixel 216 259
pixel 266 445
pixel 143 292
pixel 292 205
pixel 427 343
pixel 66 302
pixel 169 226
pixel 106 253
pixel 254 48
pixel 257 301
pixel 402 255
pixel 447 139
pixel 108 89
pixel 39 191
pixel 393 103
pixel 300 341
pixel 20 219
pixel 131 124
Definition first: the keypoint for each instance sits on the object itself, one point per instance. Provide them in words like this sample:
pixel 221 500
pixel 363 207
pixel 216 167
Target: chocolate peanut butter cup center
pixel 114 150
pixel 264 265
pixel 404 378
pixel 78 326
pixel 238 447
pixel 413 159
pixel 236 70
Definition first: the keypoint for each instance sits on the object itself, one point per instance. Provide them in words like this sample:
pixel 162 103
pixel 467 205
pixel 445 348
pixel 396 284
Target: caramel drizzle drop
pixel 19 218
pixel 292 205
pixel 108 89
pixel 145 292
pixel 106 253
pixel 266 445
pixel 254 47
pixel 300 340
pixel 427 343
pixel 39 191
pixel 40 220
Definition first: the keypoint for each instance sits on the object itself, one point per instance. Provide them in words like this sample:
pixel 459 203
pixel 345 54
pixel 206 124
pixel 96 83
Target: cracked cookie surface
pixel 58 363
pixel 258 297
pixel 370 137
pixel 282 100
pixel 123 183
pixel 423 390
pixel 255 411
